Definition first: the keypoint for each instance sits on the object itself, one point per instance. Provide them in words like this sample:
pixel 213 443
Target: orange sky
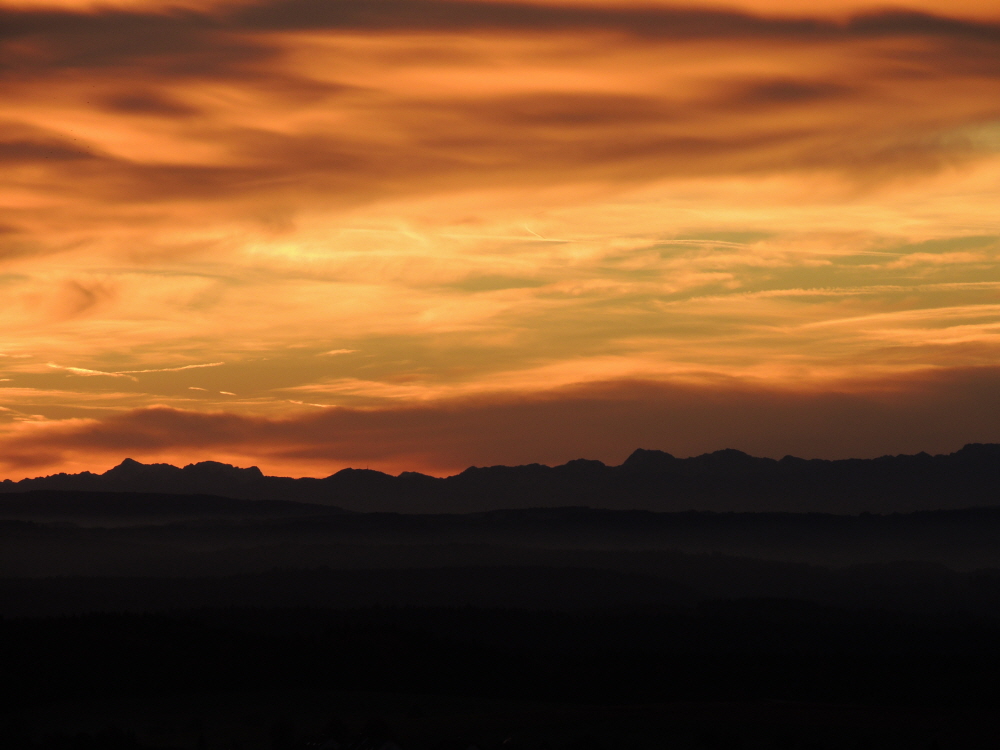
pixel 309 234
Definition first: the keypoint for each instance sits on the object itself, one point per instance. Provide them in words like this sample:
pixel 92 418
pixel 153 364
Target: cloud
pixel 89 37
pixel 174 369
pixel 147 103
pixel 487 196
pixel 657 22
pixel 90 373
pixel 22 143
pixel 130 374
pixel 383 132
pixel 781 92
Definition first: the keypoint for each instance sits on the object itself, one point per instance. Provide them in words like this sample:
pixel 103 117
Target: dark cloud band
pixel 935 411
pixel 176 29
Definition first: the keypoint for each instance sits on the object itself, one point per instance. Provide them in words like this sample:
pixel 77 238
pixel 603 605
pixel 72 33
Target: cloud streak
pixel 130 373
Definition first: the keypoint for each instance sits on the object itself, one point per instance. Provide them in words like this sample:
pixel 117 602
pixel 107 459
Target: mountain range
pixel 723 481
pixel 722 577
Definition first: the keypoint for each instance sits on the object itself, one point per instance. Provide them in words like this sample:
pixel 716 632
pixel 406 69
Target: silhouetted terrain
pixel 526 627
pixel 121 540
pixel 134 508
pixel 766 675
pixel 678 581
pixel 761 649
pixel 121 551
pixel 726 480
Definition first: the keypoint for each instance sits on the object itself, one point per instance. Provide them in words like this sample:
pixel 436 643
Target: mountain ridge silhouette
pixel 723 481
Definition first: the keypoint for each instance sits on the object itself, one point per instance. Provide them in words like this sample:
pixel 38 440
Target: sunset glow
pixel 415 235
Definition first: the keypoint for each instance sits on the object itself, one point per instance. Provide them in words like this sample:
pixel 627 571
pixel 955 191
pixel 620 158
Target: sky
pixel 427 234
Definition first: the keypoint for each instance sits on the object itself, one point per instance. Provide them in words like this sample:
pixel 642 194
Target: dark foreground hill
pixel 288 555
pixel 110 509
pixel 233 610
pixel 133 621
pixel 80 533
pixel 726 480
pixel 725 676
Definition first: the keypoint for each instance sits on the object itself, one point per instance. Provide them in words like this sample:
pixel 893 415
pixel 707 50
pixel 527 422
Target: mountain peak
pixel 730 453
pixel 642 458
pixel 128 467
pixel 219 469
pixel 132 469
pixel 583 464
pixel 979 450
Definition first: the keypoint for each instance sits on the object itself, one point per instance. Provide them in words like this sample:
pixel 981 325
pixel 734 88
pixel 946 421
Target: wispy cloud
pixel 83 371
pixel 411 203
pixel 173 369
